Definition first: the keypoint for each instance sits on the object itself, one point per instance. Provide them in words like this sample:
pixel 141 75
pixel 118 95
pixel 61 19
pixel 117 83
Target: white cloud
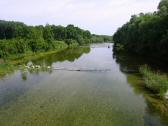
pixel 98 16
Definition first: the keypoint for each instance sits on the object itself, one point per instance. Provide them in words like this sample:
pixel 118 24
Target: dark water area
pixel 87 86
pixel 133 61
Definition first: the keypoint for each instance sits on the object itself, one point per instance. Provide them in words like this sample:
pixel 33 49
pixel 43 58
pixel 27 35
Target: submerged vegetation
pixel 146 34
pixel 154 81
pixel 155 104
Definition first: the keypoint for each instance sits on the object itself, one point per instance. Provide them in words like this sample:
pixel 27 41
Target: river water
pixel 88 86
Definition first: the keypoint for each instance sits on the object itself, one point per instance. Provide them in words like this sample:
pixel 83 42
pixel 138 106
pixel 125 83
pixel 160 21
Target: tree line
pixel 19 38
pixel 145 34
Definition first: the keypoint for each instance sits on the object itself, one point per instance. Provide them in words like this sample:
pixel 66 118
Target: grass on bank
pixel 8 64
pixel 6 68
pixel 155 81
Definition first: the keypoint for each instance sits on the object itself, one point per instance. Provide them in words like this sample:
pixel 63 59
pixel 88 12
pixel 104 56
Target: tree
pixel 163 8
pixel 145 34
pixel 48 34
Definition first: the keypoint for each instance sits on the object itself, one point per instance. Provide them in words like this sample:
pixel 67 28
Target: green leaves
pixel 18 38
pixel 48 35
pixel 163 8
pixel 146 34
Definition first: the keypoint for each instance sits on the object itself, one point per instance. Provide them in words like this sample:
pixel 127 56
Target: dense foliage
pixel 101 38
pixel 18 38
pixel 145 34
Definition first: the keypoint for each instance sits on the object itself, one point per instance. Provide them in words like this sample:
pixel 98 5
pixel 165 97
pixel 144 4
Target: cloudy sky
pixel 98 16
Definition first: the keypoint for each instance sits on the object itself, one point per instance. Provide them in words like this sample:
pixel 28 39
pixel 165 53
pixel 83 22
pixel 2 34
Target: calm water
pixel 108 92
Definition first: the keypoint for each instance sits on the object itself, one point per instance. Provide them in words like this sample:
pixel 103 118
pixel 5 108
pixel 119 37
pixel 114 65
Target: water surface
pixel 110 94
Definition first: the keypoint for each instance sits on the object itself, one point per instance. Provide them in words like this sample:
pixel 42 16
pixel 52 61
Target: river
pixel 88 86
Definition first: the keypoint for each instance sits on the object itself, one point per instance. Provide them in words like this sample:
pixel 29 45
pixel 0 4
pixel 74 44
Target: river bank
pixel 8 65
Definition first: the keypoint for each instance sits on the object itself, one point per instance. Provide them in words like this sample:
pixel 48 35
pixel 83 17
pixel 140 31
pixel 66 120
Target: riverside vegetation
pixel 20 42
pixel 17 38
pixel 147 35
pixel 156 82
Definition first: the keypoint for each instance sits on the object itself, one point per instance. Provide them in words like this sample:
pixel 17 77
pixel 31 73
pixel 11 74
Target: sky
pixel 97 16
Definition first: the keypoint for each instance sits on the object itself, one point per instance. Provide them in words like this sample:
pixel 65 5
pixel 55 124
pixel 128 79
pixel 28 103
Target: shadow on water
pixel 132 62
pixel 129 65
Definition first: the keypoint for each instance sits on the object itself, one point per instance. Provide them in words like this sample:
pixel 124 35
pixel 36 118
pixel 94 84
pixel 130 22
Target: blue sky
pixel 98 16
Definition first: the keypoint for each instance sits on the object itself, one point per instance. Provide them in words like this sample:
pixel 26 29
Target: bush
pixel 59 44
pixel 13 46
pixel 156 82
pixel 72 43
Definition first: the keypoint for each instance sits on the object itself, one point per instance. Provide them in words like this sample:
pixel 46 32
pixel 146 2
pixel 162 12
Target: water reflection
pixel 132 62
pixel 67 55
pixel 45 64
pixel 15 84
pixel 156 107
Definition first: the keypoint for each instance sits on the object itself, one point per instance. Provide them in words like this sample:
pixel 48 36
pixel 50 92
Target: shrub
pixel 59 44
pixel 72 43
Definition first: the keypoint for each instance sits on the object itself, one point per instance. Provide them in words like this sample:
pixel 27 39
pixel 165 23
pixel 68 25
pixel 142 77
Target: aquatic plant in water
pixel 155 81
